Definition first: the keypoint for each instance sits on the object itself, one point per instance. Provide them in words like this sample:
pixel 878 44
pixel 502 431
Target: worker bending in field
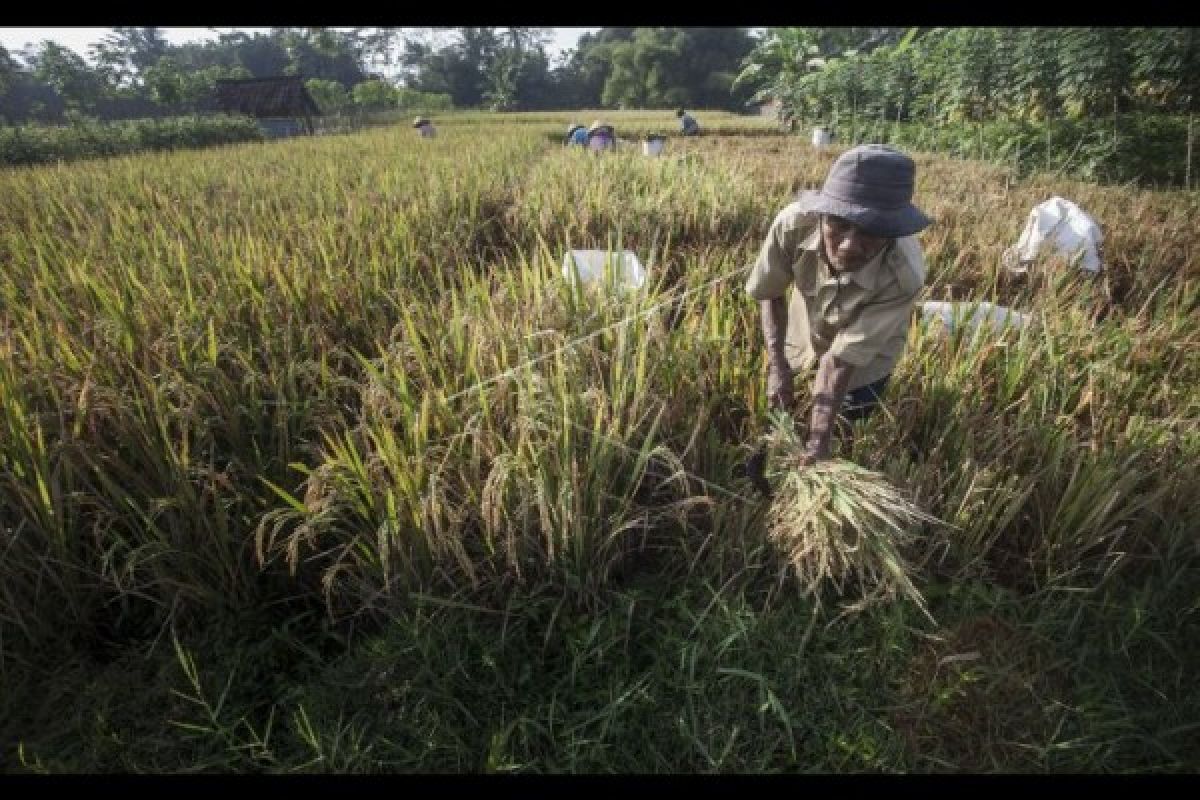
pixel 687 123
pixel 849 254
pixel 602 136
pixel 424 128
pixel 576 135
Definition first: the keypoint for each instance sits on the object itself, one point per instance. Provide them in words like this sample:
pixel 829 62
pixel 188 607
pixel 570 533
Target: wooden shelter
pixel 282 106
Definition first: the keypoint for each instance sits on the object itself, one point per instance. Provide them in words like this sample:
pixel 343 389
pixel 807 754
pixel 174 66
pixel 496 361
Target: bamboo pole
pixel 1049 119
pixel 1187 169
pixel 1115 110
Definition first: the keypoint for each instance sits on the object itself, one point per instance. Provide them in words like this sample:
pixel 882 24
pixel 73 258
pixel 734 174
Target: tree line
pixel 135 72
pixel 976 74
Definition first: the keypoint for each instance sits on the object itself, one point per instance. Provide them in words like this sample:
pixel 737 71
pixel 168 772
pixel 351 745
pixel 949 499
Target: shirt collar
pixel 813 242
pixel 867 275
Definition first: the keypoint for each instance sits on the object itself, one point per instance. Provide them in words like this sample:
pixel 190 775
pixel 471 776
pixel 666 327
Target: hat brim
pixel 892 222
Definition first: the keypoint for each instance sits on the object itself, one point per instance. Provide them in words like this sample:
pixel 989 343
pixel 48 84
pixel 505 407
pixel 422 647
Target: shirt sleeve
pixel 771 274
pixel 876 325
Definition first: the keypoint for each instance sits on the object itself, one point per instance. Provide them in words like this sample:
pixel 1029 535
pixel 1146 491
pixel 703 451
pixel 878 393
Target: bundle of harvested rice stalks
pixel 838 522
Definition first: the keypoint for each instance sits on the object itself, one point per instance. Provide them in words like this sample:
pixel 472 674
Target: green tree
pixel 460 69
pixel 978 75
pixel 814 71
pixel 61 68
pixel 374 95
pixel 1097 68
pixel 586 69
pixel 323 53
pixel 10 71
pixel 899 81
pixel 1036 75
pixel 264 56
pixel 412 100
pixel 128 52
pixel 1166 65
pixel 641 70
pixel 518 69
pixel 330 96
pixel 183 90
pixel 664 67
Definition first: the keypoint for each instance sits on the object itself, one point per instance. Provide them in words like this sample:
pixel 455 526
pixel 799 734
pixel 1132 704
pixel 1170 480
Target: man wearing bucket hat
pixel 849 252
pixel 424 128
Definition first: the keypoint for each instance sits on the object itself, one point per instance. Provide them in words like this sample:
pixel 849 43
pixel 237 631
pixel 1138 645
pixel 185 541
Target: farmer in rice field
pixel 849 254
pixel 602 136
pixel 424 128
pixel 576 135
pixel 687 123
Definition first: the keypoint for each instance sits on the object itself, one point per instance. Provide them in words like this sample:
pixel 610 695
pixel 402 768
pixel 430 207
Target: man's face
pixel 846 246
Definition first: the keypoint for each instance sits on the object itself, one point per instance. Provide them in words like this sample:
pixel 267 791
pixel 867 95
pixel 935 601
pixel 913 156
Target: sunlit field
pixel 311 460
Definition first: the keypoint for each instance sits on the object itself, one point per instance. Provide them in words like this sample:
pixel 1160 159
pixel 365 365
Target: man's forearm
pixel 829 390
pixel 775 322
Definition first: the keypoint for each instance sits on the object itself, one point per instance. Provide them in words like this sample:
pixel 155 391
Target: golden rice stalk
pixel 840 523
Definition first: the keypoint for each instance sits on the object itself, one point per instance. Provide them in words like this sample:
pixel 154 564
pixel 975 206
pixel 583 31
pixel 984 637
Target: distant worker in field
pixel 687 123
pixel 856 268
pixel 576 135
pixel 424 128
pixel 602 136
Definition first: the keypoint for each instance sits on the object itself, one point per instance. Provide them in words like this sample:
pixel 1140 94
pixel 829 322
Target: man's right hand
pixel 779 387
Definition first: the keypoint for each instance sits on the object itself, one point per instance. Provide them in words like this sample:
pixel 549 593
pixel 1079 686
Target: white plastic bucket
pixel 820 137
pixel 652 147
pixel 594 266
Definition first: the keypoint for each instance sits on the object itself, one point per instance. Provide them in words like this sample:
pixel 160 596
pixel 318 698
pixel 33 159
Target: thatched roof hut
pixel 280 103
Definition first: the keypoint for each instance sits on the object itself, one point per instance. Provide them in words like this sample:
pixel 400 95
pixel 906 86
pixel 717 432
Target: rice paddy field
pixel 311 461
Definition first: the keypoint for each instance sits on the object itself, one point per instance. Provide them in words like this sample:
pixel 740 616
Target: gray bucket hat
pixel 870 186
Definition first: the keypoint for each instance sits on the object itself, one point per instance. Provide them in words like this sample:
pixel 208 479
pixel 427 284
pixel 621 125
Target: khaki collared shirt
pixel 862 317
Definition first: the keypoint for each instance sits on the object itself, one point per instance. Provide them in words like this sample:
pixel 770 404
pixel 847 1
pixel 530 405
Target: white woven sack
pixel 1057 226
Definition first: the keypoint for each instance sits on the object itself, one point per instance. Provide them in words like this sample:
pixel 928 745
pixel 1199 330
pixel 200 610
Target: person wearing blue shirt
pixel 687 123
pixel 577 135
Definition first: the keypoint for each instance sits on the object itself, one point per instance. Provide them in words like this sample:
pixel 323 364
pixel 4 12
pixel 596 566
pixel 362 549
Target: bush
pixel 1149 150
pixel 413 100
pixel 89 138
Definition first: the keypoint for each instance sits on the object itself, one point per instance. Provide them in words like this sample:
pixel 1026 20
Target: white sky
pixel 79 38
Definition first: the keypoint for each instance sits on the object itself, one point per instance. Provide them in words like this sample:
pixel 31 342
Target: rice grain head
pixel 841 524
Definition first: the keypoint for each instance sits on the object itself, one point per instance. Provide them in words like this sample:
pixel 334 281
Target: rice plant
pixel 343 378
pixel 841 526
